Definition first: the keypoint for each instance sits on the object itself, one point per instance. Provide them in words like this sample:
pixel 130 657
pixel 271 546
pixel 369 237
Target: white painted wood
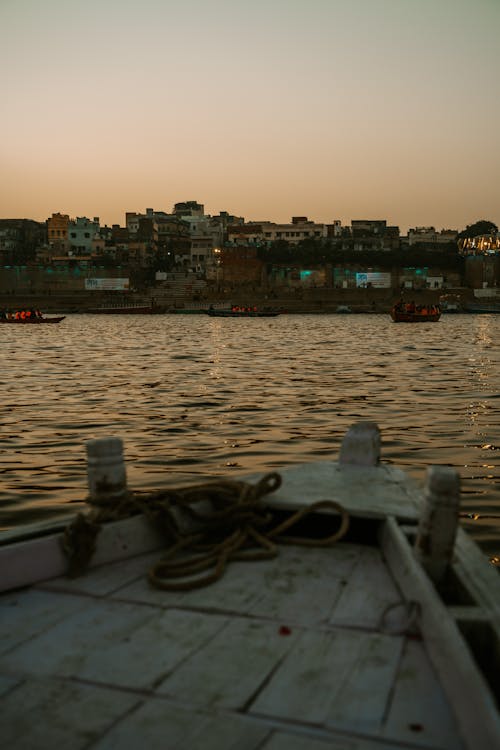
pixel 107 479
pixel 25 614
pixel 158 725
pixel 419 711
pixel 35 560
pixel 105 579
pixel 116 644
pixel 231 667
pixel 287 741
pixel 302 585
pixel 324 679
pixel 7 683
pixel 367 594
pixel 299 586
pixel 365 491
pixel 439 521
pixel 465 687
pixel 50 713
pixel 361 702
pixel 361 445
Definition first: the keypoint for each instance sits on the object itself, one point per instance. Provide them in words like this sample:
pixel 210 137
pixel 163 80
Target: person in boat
pixel 410 307
pixel 3 314
pixel 38 314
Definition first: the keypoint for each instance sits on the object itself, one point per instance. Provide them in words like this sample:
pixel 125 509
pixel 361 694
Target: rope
pixel 227 521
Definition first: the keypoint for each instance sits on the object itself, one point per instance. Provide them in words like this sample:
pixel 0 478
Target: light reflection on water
pixel 193 396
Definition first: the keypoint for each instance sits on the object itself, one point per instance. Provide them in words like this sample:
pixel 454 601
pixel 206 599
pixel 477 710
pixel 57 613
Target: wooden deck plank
pixel 320 669
pixel 115 644
pixel 7 683
pixel 300 585
pixel 287 741
pixel 158 725
pixel 360 702
pixel 231 667
pixel 419 711
pixel 50 713
pixel 369 491
pixel 368 592
pixel 303 584
pixel 25 614
pixel 104 579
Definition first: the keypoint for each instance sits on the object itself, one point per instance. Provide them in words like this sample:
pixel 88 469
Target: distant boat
pixel 482 308
pixel 343 309
pixel 242 312
pixel 401 316
pixel 196 308
pixel 122 309
pixel 33 321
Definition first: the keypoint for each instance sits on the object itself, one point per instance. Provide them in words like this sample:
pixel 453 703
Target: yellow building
pixel 57 231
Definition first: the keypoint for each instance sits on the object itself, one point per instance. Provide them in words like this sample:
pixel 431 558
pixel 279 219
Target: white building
pixel 81 234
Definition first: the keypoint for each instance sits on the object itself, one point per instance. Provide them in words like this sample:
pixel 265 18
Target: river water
pixel 195 397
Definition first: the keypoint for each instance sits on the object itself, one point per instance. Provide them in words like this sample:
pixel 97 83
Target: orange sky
pixel 333 109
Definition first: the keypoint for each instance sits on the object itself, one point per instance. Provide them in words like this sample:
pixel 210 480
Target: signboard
pixel 118 285
pixel 376 279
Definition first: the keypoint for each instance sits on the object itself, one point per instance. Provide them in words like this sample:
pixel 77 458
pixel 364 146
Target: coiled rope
pixel 205 527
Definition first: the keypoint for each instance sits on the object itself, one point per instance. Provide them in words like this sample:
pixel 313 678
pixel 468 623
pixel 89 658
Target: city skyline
pixel 376 109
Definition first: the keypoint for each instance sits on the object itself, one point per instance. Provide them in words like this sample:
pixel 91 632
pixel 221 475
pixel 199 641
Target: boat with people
pixel 27 316
pixel 409 312
pixel 33 321
pixel 238 311
pixel 333 604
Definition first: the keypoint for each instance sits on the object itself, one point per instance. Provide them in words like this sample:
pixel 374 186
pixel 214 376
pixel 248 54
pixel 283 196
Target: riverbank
pixel 297 301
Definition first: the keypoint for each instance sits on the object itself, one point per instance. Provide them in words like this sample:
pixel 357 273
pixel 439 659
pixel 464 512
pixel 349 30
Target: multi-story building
pixel 82 233
pixel 266 232
pixel 374 234
pixel 429 236
pixel 57 233
pixel 20 239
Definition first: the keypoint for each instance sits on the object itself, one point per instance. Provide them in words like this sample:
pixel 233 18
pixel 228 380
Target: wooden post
pixel 361 445
pixel 106 470
pixel 438 522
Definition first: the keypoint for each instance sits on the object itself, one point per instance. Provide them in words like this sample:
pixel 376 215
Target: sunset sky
pixel 267 109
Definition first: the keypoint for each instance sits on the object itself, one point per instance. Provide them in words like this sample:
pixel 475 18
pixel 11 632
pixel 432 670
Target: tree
pixel 478 228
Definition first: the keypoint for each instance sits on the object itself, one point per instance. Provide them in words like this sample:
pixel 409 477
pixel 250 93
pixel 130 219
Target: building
pixel 57 233
pixel 82 234
pixel 266 232
pixel 374 235
pixel 20 239
pixel 429 236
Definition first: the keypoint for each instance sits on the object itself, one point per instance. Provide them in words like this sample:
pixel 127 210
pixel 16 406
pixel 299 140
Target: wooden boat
pixel 34 321
pixel 197 308
pixel 482 308
pixel 243 313
pixel 118 309
pixel 389 637
pixel 401 316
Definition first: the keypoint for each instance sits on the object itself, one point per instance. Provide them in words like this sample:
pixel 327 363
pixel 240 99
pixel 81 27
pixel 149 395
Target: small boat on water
pixel 120 309
pixel 242 312
pixel 482 309
pixel 33 321
pixel 416 316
